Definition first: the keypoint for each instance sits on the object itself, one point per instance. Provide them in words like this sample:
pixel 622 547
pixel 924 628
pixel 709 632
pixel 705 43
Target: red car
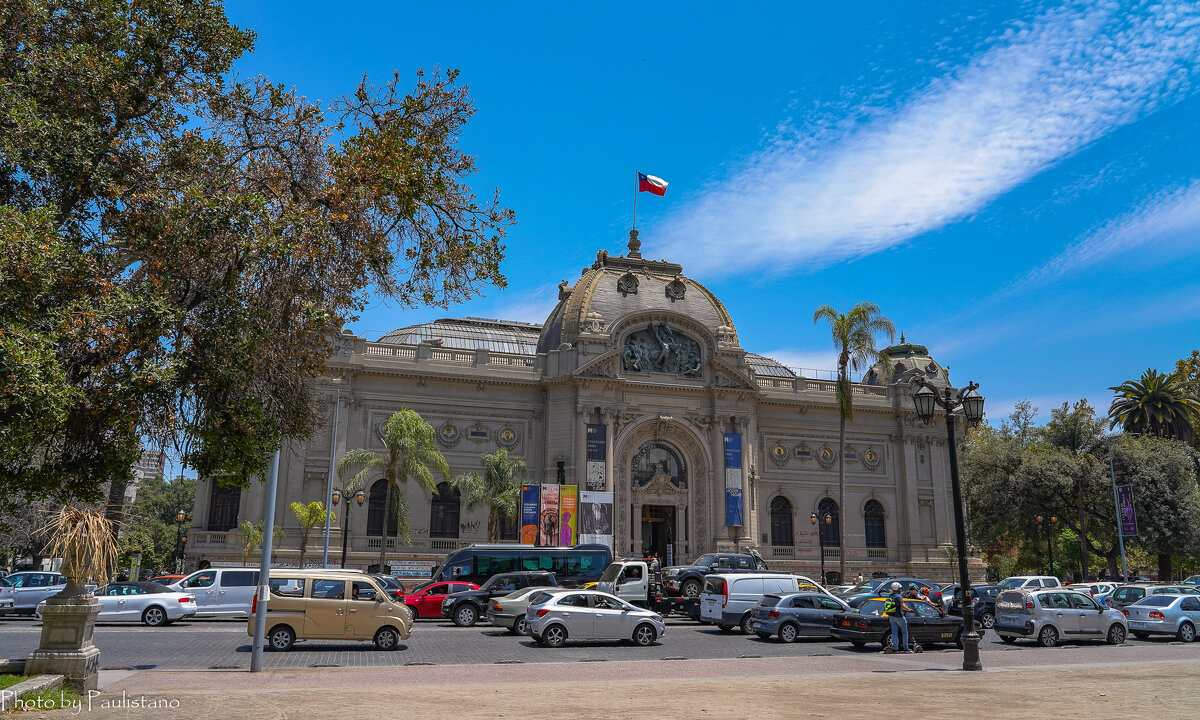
pixel 426 600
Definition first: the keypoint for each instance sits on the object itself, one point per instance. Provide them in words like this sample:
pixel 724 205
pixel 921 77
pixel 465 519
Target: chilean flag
pixel 649 183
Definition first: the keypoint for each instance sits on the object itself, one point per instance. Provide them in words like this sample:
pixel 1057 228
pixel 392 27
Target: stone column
pixel 610 439
pixel 635 524
pixel 580 459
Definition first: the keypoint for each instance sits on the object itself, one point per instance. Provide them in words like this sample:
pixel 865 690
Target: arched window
pixel 443 512
pixel 223 507
pixel 831 530
pixel 781 522
pixel 873 521
pixel 375 510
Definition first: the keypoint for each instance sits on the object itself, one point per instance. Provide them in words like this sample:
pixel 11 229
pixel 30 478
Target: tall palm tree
pixel 1159 404
pixel 499 488
pixel 409 454
pixel 854 336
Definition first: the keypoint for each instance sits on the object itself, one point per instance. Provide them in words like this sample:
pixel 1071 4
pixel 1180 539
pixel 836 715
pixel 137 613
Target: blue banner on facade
pixel 733 479
pixel 529 514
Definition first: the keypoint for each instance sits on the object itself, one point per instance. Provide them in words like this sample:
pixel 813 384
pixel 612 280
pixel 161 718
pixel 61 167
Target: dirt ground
pixel 1164 689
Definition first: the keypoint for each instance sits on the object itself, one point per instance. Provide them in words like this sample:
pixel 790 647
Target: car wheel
pixel 1187 632
pixel 521 626
pixel 465 615
pixel 1008 639
pixel 281 637
pixel 788 632
pixel 387 638
pixel 554 636
pixel 746 629
pixel 1048 637
pixel 690 588
pixel 724 628
pixel 1116 634
pixel 987 620
pixel 1140 635
pixel 887 640
pixel 154 616
pixel 412 611
pixel 644 635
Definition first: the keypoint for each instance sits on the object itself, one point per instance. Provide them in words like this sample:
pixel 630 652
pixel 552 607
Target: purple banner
pixel 1125 507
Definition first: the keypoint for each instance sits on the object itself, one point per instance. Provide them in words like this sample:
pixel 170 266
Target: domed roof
pixel 470 334
pixel 615 287
pixel 908 360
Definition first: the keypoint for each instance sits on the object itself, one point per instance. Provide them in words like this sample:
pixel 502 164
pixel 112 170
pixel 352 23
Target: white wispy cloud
pixel 1039 93
pixel 1167 222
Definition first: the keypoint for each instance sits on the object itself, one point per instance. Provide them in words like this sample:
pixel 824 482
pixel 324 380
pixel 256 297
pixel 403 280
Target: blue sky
pixel 1017 187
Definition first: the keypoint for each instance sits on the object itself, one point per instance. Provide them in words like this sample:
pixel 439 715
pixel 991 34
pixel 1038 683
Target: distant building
pixel 152 464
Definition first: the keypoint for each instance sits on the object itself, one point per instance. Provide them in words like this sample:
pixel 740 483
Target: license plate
pixel 1008 619
pixel 845 623
pixel 1138 624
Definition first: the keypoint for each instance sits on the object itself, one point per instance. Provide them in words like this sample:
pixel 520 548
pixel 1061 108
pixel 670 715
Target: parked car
pixel 509 611
pixel 1051 615
pixel 28 588
pixel 983 598
pixel 1029 581
pixel 221 592
pixel 147 602
pixel 688 580
pixel 1177 615
pixel 391 585
pixel 1098 590
pixel 1191 580
pixel 728 599
pixel 330 605
pixel 425 601
pixel 855 598
pixel 467 606
pixel 838 589
pixel 563 615
pixel 167 579
pixel 790 616
pixel 926 624
pixel 1131 593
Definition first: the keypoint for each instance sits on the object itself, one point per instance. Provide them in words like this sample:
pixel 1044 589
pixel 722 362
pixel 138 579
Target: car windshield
pixel 1155 601
pixel 705 560
pixel 1012 583
pixel 611 572
pixel 491 582
pixel 424 586
pixel 5 583
pixel 865 587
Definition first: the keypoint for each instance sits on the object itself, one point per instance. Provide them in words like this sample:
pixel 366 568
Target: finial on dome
pixel 634 244
pixel 901 337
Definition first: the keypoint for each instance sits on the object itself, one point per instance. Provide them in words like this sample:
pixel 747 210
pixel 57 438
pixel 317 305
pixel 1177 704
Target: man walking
pixel 893 609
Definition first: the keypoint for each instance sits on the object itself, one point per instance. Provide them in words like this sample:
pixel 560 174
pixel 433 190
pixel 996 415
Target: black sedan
pixel 926 625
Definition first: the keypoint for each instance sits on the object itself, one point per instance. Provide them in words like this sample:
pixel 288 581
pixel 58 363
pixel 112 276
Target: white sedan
pixel 555 616
pixel 145 602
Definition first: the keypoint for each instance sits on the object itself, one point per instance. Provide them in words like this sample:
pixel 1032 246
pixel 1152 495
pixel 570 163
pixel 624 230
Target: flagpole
pixel 635 194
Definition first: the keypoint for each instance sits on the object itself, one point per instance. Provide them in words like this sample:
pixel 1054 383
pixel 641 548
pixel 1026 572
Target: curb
pixel 34 685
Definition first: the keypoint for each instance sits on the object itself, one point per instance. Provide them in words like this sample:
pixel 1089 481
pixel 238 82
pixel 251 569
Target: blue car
pixel 793 615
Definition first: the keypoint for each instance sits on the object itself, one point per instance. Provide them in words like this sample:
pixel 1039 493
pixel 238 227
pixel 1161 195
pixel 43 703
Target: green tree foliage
pixel 149 526
pixel 498 489
pixel 1158 404
pixel 854 337
pixel 178 245
pixel 308 517
pixel 252 538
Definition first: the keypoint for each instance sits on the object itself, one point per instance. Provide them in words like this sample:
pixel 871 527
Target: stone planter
pixel 66 646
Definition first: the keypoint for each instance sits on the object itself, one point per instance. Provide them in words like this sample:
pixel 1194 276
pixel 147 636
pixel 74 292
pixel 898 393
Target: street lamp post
pixel 360 497
pixel 337 406
pixel 180 519
pixel 820 545
pixel 1049 545
pixel 925 399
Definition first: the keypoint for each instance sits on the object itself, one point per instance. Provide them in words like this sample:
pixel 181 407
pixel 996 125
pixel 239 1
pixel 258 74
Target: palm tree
pixel 854 336
pixel 1156 404
pixel 409 453
pixel 252 538
pixel 308 517
pixel 499 488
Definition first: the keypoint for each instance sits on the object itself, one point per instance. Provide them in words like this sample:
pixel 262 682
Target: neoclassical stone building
pixel 650 361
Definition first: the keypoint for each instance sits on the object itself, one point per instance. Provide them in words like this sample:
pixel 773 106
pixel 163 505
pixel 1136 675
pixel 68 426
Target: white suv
pixel 1029 582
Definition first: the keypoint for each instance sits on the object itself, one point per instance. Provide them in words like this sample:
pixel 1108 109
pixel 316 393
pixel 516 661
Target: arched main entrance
pixel 658 472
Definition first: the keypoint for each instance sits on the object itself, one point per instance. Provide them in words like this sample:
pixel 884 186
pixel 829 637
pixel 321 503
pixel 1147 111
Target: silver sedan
pixel 1177 615
pixel 145 602
pixel 555 617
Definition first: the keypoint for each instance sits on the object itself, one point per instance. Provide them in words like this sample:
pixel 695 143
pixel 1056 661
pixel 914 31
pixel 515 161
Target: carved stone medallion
pixel 507 436
pixel 676 290
pixel 826 456
pixel 627 284
pixel 870 458
pixel 449 435
pixel 779 454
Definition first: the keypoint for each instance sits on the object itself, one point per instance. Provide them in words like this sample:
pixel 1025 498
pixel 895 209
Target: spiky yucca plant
pixel 83 539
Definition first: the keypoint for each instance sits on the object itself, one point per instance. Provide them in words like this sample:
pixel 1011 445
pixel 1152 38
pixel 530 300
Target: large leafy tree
pixel 498 489
pixel 177 245
pixel 410 453
pixel 1156 404
pixel 853 334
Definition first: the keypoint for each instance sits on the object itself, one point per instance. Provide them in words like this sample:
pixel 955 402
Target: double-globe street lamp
pixel 820 545
pixel 335 499
pixel 926 400
pixel 1049 546
pixel 180 519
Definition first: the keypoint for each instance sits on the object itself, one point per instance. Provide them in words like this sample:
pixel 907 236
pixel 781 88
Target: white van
pixel 727 599
pixel 1029 582
pixel 221 592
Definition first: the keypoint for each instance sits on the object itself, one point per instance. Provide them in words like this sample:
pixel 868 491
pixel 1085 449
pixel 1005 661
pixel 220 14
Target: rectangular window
pixel 239 578
pixel 223 507
pixel 287 587
pixel 489 563
pixel 329 589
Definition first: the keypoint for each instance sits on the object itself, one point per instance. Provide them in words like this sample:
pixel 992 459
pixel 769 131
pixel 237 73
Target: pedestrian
pixel 858 579
pixel 912 592
pixel 893 610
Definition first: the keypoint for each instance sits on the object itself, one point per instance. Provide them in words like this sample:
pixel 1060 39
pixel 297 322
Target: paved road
pixel 223 644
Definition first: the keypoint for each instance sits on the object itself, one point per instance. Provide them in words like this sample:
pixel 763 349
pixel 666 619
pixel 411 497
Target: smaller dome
pixel 766 367
pixel 907 360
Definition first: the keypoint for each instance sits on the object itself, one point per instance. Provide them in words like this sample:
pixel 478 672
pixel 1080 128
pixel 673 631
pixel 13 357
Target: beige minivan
pixel 330 605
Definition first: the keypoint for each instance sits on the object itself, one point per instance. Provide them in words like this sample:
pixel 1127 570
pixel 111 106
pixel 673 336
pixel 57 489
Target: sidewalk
pixel 814 687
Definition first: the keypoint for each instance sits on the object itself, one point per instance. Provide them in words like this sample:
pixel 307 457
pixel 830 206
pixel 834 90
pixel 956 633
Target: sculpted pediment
pixel 727 375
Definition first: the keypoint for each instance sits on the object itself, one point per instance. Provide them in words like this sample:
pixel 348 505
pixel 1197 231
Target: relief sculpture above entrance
pixel 659 348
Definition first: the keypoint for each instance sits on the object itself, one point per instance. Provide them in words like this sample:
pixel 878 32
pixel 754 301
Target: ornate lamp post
pixel 180 519
pixel 335 498
pixel 820 545
pixel 1049 546
pixel 926 399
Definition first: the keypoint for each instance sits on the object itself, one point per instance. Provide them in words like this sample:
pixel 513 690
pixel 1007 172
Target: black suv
pixel 465 608
pixel 688 580
pixel 984 599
